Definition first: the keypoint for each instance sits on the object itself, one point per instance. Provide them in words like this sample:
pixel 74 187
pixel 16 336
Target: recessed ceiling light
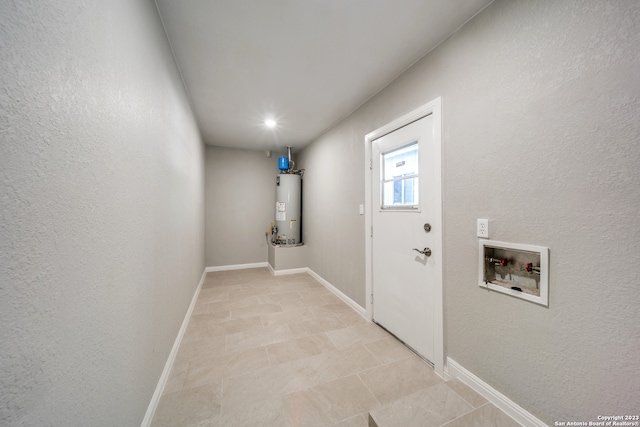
pixel 270 123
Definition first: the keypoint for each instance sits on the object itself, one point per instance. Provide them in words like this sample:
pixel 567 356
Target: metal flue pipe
pixel 290 157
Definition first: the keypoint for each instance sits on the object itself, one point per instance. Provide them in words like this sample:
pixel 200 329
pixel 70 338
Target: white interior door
pixel 405 197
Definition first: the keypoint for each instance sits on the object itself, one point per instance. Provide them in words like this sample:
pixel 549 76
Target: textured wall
pixel 541 135
pixel 101 210
pixel 333 190
pixel 240 204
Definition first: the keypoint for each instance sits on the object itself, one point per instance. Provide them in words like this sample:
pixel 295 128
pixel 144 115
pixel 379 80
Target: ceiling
pixel 305 63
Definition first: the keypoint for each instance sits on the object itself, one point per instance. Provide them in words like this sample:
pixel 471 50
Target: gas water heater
pixel 288 203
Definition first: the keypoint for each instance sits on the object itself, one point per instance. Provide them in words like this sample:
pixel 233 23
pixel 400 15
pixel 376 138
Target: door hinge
pixel 371 231
pixel 372 299
pixel 370 164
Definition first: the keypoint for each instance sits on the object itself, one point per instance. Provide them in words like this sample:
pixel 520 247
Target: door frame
pixel 433 107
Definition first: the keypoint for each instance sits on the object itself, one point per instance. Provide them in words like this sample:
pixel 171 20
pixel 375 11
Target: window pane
pixel 408 191
pixel 401 162
pixel 397 192
pixel 400 177
pixel 388 194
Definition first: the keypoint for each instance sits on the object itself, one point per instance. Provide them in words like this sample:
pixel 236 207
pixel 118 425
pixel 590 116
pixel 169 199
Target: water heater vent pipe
pixel 290 157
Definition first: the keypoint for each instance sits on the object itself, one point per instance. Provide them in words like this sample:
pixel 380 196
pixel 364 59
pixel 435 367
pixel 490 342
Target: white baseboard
pixel 288 271
pixel 506 405
pixel 351 303
pixel 236 267
pixel 155 399
pixel 157 394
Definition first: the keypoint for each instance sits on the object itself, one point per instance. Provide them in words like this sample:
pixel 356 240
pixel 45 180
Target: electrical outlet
pixel 483 228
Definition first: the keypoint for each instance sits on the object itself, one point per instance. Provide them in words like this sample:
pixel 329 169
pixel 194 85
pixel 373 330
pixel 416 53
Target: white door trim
pixel 433 107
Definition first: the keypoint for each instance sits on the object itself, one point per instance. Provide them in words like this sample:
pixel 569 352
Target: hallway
pixel 263 350
pixel 115 199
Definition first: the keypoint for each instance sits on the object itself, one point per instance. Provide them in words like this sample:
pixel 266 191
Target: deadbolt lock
pixel 427 227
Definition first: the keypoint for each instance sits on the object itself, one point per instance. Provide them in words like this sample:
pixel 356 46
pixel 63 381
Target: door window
pixel 400 178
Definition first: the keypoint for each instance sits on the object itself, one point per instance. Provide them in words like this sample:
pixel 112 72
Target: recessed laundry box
pixel 519 270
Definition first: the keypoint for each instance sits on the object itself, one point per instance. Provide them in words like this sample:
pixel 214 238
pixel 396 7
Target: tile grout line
pixel 370 391
pixel 465 414
pixel 462 397
pixel 260 299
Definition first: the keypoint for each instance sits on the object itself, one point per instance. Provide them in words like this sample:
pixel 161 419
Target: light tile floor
pixel 263 350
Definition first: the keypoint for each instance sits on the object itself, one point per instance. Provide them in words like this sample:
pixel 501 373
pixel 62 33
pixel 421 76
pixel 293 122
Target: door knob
pixel 425 251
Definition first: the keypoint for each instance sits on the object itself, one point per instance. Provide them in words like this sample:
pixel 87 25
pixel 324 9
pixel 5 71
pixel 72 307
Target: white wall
pixel 240 205
pixel 101 210
pixel 540 134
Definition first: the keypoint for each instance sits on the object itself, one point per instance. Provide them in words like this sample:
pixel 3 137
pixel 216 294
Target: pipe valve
pixel 530 268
